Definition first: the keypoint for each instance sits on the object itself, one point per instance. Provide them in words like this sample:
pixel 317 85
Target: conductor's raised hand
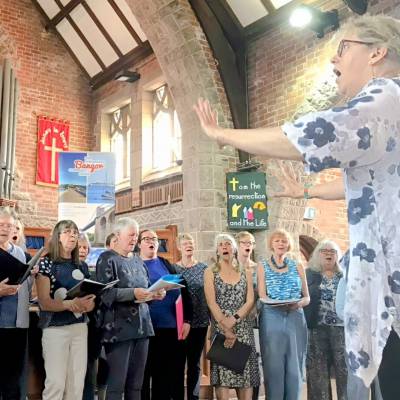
pixel 7 290
pixel 289 183
pixel 209 120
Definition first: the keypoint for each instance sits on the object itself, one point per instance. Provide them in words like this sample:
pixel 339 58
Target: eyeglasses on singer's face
pixel 70 232
pixel 6 226
pixel 343 45
pixel 328 251
pixel 148 239
pixel 246 243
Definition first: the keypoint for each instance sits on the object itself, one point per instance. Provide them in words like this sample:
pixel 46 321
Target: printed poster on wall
pixel 86 190
pixel 247 200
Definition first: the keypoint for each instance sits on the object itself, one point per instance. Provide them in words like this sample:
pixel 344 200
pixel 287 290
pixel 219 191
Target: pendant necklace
pixel 284 265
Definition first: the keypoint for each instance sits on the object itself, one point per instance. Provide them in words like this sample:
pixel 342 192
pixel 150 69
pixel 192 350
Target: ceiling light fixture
pixel 317 20
pixel 127 76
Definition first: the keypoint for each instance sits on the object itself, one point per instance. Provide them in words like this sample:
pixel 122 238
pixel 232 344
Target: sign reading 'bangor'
pixel 247 200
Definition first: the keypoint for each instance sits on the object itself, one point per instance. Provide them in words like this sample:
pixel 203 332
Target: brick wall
pixel 287 69
pixel 51 84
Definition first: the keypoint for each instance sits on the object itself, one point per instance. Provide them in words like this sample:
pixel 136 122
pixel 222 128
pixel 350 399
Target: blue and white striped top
pixel 282 285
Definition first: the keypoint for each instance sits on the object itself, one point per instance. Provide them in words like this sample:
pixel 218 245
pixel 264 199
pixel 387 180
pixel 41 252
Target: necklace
pixel 284 265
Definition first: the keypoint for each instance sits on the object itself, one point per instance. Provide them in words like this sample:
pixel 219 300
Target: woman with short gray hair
pixel 14 316
pixel 124 313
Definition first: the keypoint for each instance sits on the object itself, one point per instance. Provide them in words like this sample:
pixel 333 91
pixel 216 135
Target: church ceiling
pixel 104 37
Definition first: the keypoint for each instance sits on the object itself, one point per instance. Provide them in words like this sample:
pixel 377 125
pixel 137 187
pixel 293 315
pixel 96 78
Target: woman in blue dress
pixel 283 330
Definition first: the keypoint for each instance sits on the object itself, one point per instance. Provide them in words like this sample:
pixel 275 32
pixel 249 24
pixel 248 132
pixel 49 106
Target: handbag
pixel 234 358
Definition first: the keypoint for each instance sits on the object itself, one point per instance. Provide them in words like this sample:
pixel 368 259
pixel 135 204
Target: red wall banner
pixel 53 137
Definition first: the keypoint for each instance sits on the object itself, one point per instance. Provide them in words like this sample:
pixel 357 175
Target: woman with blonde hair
pixel 326 346
pixel 193 273
pixel 283 331
pixel 230 298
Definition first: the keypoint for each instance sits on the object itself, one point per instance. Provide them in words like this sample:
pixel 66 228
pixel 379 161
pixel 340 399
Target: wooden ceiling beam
pixel 102 29
pixel 134 56
pixel 269 6
pixel 125 21
pixel 64 12
pixel 230 24
pixel 83 38
pixel 71 53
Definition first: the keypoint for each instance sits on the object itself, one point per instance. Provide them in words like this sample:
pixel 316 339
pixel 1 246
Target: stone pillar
pixel 187 62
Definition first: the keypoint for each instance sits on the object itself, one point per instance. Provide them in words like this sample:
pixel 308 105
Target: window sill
pixel 159 175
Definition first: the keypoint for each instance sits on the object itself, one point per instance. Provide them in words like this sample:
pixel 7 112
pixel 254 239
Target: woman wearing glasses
pixel 166 377
pixel 64 322
pixel 326 347
pixel 246 244
pixel 361 138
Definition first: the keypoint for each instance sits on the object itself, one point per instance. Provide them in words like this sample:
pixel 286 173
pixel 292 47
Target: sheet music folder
pixel 15 270
pixel 87 286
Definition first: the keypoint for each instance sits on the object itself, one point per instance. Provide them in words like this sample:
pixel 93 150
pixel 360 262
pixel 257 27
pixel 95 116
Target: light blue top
pixel 14 311
pixel 282 285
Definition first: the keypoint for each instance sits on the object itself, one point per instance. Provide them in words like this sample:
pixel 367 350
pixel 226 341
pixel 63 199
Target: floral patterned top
pixel 327 311
pixel 118 315
pixel 194 277
pixel 363 139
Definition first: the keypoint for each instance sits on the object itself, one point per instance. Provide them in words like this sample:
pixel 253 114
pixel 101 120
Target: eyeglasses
pixel 342 45
pixel 70 232
pixel 246 243
pixel 328 251
pixel 147 239
pixel 6 226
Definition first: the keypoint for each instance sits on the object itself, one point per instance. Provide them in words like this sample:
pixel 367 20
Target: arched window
pixel 120 132
pixel 167 137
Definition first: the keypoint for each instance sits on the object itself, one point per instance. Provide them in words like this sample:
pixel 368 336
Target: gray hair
pixel 83 237
pixel 315 261
pixel 6 212
pixel 380 30
pixel 225 237
pixel 123 223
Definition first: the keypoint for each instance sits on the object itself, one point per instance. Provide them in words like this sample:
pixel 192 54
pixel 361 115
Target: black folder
pixel 87 286
pixel 234 358
pixel 15 270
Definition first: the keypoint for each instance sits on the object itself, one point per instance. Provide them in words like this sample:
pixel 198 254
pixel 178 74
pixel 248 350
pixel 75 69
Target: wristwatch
pixel 237 317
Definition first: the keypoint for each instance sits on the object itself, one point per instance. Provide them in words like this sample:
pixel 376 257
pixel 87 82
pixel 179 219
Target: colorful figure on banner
pixel 235 209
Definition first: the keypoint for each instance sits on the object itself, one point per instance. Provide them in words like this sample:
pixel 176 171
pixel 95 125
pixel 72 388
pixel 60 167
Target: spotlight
pixel 127 76
pixel 318 21
pixel 357 6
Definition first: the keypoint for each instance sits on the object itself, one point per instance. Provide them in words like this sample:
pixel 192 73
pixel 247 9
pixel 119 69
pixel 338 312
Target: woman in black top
pixel 193 273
